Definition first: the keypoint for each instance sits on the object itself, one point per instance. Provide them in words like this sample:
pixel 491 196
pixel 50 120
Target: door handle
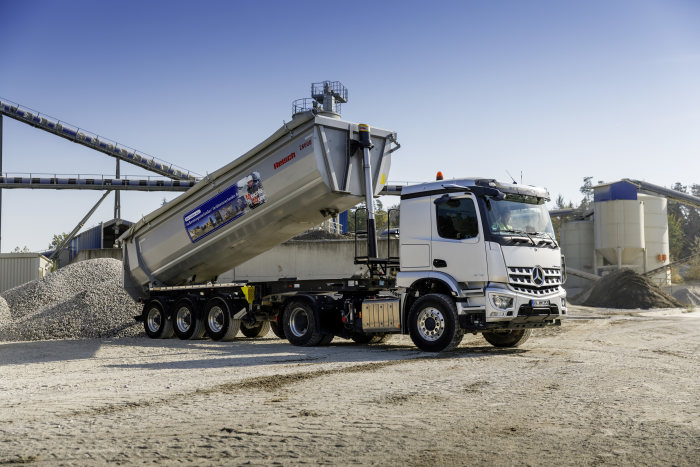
pixel 439 263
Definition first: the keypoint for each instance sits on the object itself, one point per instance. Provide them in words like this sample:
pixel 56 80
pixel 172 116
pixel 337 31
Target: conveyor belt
pixel 92 141
pixel 94 183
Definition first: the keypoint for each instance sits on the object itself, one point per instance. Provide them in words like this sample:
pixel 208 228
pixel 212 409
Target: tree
pixel 689 219
pixel 357 221
pixel 57 240
pixel 587 191
pixel 23 250
pixel 675 236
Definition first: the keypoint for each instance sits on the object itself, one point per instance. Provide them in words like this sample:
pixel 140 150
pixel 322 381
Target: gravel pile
pixel 627 289
pixel 687 295
pixel 83 300
pixel 5 316
pixel 319 234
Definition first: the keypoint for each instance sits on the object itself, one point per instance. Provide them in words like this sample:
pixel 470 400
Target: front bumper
pixel 524 310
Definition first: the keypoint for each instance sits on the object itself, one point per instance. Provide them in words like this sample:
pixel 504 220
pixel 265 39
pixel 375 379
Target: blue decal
pixel 225 207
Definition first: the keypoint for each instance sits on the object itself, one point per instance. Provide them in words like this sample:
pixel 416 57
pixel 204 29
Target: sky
pixel 547 91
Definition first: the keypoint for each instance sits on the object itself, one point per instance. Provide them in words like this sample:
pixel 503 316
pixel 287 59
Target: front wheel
pixel 512 338
pixel 301 326
pixel 218 322
pixel 156 322
pixel 433 323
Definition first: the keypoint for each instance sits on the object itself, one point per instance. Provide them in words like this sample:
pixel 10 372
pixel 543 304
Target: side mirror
pixel 493 193
pixel 442 199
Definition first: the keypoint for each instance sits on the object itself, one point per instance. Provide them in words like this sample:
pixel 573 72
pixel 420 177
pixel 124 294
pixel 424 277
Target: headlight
pixel 502 302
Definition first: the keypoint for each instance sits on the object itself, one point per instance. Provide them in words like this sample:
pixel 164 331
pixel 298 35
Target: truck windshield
pixel 518 214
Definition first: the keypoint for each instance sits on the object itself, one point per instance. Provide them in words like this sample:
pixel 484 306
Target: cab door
pixel 458 246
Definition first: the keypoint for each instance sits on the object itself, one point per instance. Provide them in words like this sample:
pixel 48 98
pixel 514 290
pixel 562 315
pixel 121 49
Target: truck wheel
pixel 369 338
pixel 259 329
pixel 186 323
pixel 277 327
pixel 512 338
pixel 300 324
pixel 433 323
pixel 326 339
pixel 156 322
pixel 218 322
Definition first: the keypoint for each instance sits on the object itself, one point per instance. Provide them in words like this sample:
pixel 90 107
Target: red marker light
pixel 439 175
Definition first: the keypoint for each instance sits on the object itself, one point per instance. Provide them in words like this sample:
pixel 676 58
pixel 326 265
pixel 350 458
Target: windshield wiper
pixel 520 232
pixel 554 241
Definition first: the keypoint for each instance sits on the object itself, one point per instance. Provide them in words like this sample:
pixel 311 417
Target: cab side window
pixel 457 219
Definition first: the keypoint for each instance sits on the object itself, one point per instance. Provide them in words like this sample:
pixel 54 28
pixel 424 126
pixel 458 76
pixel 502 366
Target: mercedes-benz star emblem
pixel 538 275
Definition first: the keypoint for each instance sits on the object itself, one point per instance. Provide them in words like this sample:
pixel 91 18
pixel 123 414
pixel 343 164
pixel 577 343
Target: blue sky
pixel 555 90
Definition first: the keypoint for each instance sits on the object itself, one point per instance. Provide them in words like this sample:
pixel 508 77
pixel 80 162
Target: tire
pixel 187 323
pixel 370 338
pixel 433 323
pixel 155 321
pixel 259 329
pixel 218 322
pixel 301 324
pixel 277 327
pixel 512 338
pixel 326 340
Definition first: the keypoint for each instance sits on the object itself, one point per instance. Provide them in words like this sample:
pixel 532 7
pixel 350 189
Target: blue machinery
pixel 171 177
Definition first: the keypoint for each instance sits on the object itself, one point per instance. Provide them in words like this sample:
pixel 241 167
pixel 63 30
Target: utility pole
pixel 117 209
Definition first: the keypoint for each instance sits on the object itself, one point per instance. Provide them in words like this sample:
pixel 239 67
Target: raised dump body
pixel 307 170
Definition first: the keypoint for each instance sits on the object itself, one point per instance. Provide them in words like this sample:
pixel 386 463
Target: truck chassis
pixel 313 312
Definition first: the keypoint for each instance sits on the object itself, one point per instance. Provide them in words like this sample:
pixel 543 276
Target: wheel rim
pixel 298 322
pixel 216 318
pixel 154 320
pixel 183 319
pixel 431 324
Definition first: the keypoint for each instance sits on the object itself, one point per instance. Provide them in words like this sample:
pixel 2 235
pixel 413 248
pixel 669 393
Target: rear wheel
pixel 156 322
pixel 259 329
pixel 219 324
pixel 326 339
pixel 186 322
pixel 511 338
pixel 301 326
pixel 433 323
pixel 277 327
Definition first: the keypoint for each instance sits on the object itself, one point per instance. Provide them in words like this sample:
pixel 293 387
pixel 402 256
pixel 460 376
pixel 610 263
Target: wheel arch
pixel 425 286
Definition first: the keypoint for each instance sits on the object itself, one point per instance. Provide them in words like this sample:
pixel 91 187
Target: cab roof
pixel 444 186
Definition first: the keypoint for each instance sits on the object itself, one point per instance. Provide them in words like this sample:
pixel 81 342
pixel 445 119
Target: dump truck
pixel 474 254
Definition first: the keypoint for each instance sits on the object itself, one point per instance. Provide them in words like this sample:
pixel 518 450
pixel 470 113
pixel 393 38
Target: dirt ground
pixel 608 387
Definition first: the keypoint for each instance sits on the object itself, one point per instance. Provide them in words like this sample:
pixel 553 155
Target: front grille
pixel 521 280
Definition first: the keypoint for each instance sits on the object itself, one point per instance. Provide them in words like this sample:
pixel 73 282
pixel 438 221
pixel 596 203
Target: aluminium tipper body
pixel 307 170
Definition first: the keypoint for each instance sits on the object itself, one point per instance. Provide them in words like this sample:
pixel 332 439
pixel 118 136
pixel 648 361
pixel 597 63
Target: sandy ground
pixel 605 388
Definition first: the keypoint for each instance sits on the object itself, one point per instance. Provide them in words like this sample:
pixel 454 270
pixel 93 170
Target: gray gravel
pixel 4 313
pixel 83 300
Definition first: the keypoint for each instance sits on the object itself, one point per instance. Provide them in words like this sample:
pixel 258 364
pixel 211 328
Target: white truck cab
pixel 490 247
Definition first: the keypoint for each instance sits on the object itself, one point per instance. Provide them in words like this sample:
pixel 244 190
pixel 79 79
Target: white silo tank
pixel 577 246
pixel 619 233
pixel 656 236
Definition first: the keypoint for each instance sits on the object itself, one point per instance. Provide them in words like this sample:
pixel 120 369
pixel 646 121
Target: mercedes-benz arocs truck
pixel 474 255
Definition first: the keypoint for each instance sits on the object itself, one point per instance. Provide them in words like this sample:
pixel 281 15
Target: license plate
pixel 539 303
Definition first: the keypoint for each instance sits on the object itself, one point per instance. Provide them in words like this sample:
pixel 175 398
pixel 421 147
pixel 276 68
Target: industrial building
pixel 19 268
pixel 627 227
